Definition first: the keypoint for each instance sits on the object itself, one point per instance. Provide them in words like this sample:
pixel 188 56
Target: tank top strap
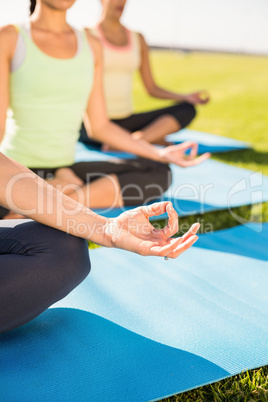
pixel 20 51
pixel 135 38
pixel 25 30
pixel 85 43
pixel 17 28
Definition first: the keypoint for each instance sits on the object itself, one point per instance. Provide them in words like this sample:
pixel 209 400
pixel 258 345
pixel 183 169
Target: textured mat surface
pixel 208 142
pixel 139 329
pixel 207 187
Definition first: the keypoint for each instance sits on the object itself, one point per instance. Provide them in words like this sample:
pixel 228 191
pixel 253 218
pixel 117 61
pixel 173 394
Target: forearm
pixel 24 192
pixel 161 93
pixel 120 139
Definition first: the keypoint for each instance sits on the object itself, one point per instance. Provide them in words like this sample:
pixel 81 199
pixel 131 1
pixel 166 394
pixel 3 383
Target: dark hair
pixel 32 6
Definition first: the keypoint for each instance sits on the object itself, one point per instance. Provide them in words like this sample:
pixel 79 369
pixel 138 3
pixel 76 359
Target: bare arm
pixel 101 127
pixel 8 39
pixel 107 132
pixel 26 193
pixel 154 90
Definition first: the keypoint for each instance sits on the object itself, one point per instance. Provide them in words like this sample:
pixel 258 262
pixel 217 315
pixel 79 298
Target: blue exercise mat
pixel 207 187
pixel 139 329
pixel 207 142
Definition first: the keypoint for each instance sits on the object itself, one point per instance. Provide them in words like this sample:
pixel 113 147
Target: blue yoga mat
pixel 207 187
pixel 139 329
pixel 207 142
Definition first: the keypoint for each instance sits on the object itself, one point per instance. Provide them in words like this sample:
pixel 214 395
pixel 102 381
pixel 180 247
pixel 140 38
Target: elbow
pixel 151 90
pixel 98 132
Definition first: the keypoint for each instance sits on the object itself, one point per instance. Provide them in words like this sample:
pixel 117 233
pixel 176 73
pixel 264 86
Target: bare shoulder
pixel 94 43
pixel 8 39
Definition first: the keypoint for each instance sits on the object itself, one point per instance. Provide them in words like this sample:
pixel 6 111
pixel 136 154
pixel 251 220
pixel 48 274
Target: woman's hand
pixel 133 231
pixel 197 98
pixel 177 154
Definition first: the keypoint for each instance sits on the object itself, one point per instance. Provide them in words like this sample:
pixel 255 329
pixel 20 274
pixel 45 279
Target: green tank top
pixel 48 97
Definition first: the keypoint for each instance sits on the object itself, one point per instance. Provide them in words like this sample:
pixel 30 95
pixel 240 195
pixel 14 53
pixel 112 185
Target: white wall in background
pixel 227 25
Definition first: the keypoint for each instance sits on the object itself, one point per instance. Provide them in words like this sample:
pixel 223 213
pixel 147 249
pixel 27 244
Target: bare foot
pixel 66 180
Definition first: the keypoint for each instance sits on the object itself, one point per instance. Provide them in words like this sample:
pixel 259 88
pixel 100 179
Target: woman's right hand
pixel 197 98
pixel 177 154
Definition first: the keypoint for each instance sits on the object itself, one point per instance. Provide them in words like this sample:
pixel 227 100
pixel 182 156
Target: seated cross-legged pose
pixel 40 265
pixel 124 53
pixel 50 76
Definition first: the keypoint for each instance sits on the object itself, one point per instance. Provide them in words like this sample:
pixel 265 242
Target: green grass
pixel 239 98
pixel 238 109
pixel 249 386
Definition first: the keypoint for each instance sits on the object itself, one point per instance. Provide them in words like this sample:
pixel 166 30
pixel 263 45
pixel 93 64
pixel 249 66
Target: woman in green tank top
pixel 40 265
pixel 50 77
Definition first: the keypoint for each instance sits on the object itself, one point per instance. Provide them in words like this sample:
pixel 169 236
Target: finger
pixel 126 241
pixel 204 96
pixel 190 145
pixel 163 251
pixel 204 101
pixel 194 162
pixel 194 151
pixel 181 248
pixel 158 208
pixel 192 231
pixel 186 145
pixel 173 223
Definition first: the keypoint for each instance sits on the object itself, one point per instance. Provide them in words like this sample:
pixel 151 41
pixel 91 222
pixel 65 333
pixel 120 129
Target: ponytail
pixel 32 6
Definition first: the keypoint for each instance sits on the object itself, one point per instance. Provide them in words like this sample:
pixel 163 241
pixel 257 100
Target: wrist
pixel 185 98
pixel 96 229
pixel 161 152
pixel 107 234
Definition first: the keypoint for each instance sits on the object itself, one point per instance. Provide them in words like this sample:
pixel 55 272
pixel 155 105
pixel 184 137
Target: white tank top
pixel 120 63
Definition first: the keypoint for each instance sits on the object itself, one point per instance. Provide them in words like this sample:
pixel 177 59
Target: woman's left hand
pixel 177 154
pixel 133 231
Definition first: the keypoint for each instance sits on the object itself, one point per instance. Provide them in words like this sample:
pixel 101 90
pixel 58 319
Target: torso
pixel 121 60
pixel 48 96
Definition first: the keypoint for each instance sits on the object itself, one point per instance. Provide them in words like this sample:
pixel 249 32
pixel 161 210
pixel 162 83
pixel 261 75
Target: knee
pixel 164 176
pixel 159 182
pixel 186 113
pixel 75 264
pixel 67 264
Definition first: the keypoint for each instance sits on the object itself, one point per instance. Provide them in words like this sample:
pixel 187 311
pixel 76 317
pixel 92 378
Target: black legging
pixel 141 180
pixel 38 267
pixel 184 113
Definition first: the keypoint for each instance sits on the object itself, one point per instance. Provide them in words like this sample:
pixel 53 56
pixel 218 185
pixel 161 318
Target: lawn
pixel 238 109
pixel 239 102
pixel 239 98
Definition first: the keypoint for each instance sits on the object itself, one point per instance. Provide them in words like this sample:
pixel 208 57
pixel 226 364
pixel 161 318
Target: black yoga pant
pixel 38 266
pixel 184 113
pixel 141 180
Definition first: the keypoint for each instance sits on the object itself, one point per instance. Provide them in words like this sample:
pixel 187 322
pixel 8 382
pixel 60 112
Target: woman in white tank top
pixel 124 53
